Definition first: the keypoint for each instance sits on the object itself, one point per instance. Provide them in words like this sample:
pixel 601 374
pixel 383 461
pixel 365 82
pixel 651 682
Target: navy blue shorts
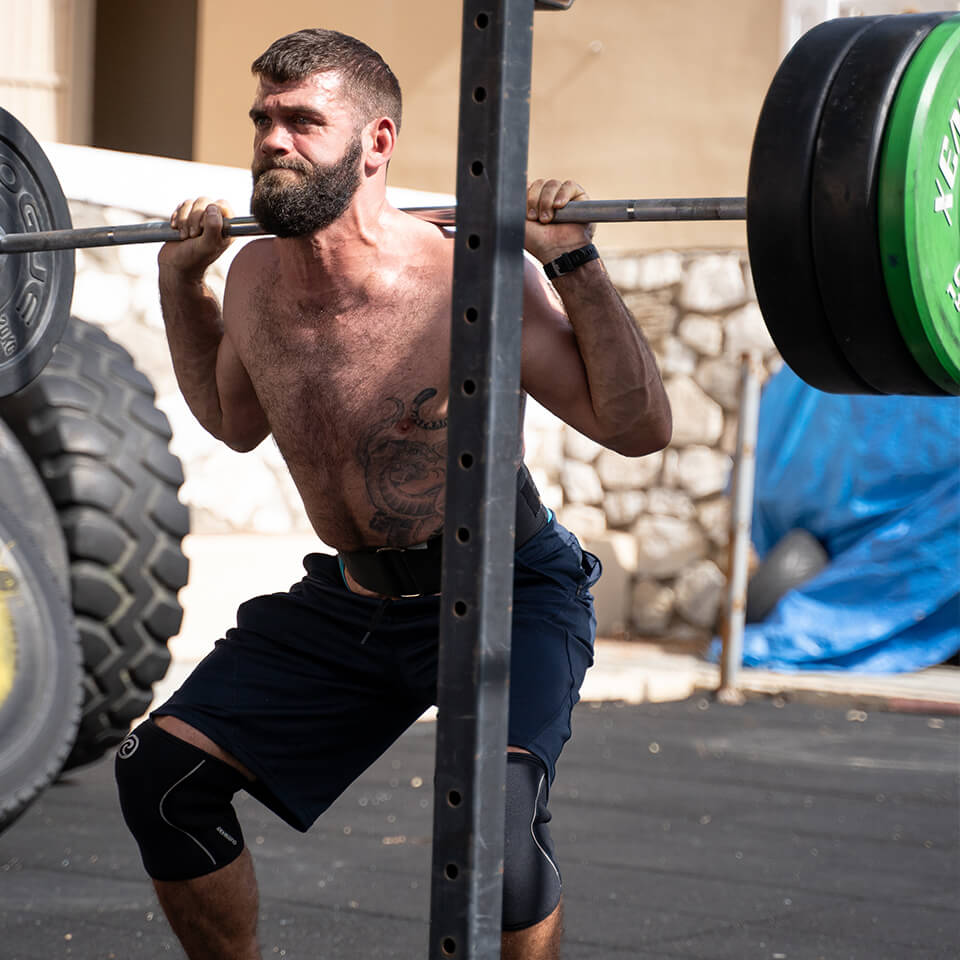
pixel 294 695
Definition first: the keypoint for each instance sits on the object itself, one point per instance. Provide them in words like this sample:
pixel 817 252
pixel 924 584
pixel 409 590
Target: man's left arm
pixel 584 356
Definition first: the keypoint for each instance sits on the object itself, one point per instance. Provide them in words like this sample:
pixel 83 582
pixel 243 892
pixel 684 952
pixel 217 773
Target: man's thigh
pixel 300 695
pixel 552 645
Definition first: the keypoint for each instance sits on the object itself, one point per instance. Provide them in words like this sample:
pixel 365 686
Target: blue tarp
pixel 877 481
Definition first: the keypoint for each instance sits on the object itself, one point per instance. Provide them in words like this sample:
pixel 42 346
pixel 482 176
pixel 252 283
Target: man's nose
pixel 276 140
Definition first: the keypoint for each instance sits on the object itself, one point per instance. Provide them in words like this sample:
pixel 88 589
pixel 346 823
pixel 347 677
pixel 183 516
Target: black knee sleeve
pixel 531 879
pixel 175 799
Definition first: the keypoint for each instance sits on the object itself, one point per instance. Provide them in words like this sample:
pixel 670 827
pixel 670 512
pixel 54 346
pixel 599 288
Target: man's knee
pixel 176 800
pixel 531 879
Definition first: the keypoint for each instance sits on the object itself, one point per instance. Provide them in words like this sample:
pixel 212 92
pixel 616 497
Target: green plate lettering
pixel 919 206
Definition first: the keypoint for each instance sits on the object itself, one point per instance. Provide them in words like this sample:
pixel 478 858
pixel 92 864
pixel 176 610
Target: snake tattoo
pixel 405 474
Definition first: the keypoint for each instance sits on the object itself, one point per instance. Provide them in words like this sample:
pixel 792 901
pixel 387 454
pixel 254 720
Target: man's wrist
pixel 179 276
pixel 570 260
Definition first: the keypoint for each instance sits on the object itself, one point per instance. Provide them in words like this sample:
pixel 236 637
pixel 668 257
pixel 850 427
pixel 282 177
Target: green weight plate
pixel 918 209
pixel 778 207
pixel 36 288
pixel 844 204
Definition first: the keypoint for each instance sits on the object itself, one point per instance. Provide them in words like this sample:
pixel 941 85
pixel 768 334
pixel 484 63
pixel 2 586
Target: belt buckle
pixel 400 569
pixel 413 546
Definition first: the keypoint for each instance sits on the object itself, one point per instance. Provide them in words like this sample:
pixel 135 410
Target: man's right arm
pixel 211 377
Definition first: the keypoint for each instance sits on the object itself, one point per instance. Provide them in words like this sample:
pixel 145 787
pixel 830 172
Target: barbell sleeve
pixel 580 211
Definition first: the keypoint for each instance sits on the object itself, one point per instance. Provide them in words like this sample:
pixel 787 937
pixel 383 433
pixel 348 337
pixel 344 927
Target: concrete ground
pixel 684 830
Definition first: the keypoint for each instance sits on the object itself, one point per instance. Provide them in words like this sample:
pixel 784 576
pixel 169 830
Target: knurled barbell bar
pixel 580 211
pixel 849 210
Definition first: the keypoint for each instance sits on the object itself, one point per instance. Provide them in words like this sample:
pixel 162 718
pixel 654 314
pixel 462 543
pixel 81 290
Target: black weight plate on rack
pixel 36 289
pixel 844 205
pixel 778 207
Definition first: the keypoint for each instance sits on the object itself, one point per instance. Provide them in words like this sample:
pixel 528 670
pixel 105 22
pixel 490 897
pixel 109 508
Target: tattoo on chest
pixel 404 470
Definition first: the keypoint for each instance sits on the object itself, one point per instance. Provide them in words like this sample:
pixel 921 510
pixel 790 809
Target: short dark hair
pixel 367 78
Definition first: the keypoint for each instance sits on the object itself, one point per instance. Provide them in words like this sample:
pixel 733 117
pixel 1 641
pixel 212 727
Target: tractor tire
pixel 22 491
pixel 41 676
pixel 90 424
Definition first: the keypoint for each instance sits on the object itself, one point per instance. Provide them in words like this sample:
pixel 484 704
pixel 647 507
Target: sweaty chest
pixel 332 385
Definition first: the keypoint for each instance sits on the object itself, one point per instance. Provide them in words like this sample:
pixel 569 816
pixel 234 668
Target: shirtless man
pixel 334 337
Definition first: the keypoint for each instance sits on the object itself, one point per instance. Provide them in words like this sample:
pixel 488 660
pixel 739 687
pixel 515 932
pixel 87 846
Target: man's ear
pixel 379 140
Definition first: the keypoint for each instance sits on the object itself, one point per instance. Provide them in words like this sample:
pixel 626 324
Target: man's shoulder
pixel 254 252
pixel 251 263
pixel 247 277
pixel 417 230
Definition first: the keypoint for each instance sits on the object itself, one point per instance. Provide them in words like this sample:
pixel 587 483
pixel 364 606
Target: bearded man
pixel 334 337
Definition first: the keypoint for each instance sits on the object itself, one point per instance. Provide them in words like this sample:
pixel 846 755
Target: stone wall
pixel 659 523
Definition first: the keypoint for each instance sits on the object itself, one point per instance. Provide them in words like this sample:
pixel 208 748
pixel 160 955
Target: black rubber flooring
pixel 684 830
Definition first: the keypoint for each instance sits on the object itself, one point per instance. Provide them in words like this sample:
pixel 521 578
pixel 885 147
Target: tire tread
pixel 90 423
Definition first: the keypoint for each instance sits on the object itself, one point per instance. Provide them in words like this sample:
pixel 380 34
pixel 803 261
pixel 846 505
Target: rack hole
pixel 471 315
pixel 454 798
pixel 476 168
pixel 469 387
pixel 463 534
pixel 479 94
pixel 449 947
pixel 460 609
pixel 482 21
pixel 466 460
pixel 473 241
pixel 452 871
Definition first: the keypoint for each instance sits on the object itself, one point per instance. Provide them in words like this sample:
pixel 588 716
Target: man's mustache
pixel 262 168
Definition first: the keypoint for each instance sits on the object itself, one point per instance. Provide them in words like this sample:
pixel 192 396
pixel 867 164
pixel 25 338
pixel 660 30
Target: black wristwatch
pixel 569 261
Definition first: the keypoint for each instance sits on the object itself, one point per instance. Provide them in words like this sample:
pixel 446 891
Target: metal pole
pixel 741 514
pixel 483 442
pixel 581 211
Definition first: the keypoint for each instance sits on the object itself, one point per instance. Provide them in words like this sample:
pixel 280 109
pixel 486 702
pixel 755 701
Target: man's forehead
pixel 324 88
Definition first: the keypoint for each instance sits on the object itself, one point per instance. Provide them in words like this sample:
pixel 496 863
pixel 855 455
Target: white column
pixel 800 15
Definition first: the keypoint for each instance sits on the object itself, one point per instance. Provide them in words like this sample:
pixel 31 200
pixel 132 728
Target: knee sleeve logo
pixel 129 747
pixel 223 833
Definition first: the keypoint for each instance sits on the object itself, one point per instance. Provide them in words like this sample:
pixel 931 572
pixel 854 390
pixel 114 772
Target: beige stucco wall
pixel 631 97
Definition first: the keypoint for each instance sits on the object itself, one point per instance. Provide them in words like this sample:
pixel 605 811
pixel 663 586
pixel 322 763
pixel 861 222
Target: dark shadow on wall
pixel 144 76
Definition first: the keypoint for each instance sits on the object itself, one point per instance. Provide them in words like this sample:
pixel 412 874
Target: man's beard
pixel 310 202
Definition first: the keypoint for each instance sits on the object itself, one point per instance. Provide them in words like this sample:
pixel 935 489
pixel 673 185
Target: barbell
pixel 852 224
pixel 580 211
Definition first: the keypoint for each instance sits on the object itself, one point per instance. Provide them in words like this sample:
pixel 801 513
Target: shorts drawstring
pixel 377 617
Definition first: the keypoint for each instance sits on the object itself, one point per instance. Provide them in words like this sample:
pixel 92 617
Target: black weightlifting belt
pixel 415 571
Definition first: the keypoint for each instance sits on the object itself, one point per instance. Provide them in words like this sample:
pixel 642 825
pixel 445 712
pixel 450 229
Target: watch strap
pixel 569 261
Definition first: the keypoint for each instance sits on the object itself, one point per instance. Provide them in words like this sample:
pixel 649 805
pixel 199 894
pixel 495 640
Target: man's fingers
pixel 200 225
pixel 533 199
pixel 569 190
pixel 178 219
pixel 543 236
pixel 541 199
pixel 198 213
pixel 546 196
pixel 193 217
